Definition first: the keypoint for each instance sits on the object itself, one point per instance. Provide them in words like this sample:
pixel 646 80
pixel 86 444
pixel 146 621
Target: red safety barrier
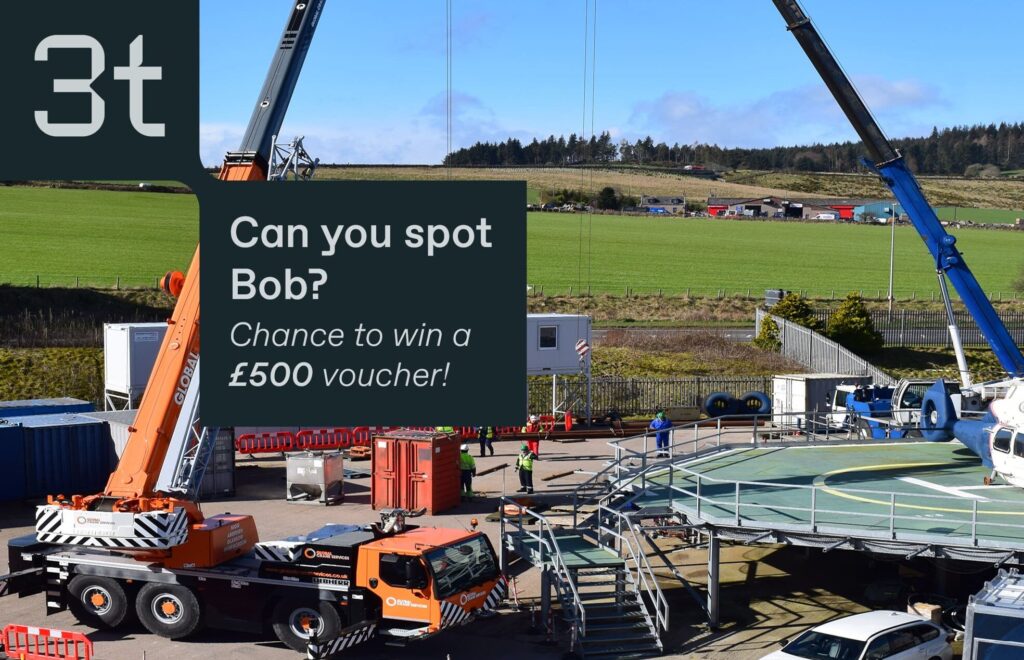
pixel 29 643
pixel 468 432
pixel 323 439
pixel 362 435
pixel 253 443
pixel 547 422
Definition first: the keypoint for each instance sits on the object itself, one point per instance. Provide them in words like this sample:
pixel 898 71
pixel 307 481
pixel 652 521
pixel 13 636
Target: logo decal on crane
pixel 186 378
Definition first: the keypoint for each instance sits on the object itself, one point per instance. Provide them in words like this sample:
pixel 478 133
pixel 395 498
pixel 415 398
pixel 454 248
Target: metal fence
pixel 819 353
pixel 927 328
pixel 642 396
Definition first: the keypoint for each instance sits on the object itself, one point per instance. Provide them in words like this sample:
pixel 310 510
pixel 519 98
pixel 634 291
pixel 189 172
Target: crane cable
pixel 448 86
pixel 589 66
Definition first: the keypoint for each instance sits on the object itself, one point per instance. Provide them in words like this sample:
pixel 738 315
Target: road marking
pixel 949 490
pixel 821 479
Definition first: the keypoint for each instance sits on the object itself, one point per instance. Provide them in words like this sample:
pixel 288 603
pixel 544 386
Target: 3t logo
pixel 134 73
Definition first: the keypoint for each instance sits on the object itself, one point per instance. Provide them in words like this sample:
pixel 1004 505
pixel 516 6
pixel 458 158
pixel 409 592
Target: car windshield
pixel 813 644
pixel 461 565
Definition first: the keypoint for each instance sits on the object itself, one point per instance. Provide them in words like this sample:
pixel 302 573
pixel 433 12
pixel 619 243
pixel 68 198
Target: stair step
pixel 638 624
pixel 612 611
pixel 602 583
pixel 619 636
pixel 623 650
pixel 627 597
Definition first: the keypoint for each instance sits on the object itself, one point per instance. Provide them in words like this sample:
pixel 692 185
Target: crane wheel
pixel 168 610
pixel 294 617
pixel 98 602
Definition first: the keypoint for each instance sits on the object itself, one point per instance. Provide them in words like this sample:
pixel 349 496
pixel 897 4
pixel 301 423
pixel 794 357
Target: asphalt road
pixel 733 334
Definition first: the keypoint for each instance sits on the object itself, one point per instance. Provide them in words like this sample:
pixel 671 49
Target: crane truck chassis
pixel 349 583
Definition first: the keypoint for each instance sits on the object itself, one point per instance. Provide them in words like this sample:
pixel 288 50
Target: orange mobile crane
pixel 144 542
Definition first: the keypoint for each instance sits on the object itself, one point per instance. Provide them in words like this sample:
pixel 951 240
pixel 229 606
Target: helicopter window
pixel 1018 445
pixel 1001 440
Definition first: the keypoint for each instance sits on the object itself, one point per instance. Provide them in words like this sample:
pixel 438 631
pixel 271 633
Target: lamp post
pixel 892 251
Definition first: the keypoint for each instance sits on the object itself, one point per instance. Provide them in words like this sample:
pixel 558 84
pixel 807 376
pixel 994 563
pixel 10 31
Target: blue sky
pixel 724 72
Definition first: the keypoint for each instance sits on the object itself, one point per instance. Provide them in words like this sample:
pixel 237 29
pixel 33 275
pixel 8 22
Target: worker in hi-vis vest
pixel 524 466
pixel 467 470
pixel 486 437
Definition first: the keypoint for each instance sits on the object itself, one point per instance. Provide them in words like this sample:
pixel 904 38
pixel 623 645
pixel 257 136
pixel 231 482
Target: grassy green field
pixel 96 236
pixel 977 215
pixel 703 255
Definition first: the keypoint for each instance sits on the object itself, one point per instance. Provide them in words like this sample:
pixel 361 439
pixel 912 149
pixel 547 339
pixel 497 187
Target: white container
pixel 551 344
pixel 806 397
pixel 995 619
pixel 129 352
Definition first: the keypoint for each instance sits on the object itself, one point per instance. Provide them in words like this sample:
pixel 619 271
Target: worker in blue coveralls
pixel 661 424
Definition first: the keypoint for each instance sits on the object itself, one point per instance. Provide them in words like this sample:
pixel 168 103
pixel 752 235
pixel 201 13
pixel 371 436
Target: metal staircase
pixel 606 588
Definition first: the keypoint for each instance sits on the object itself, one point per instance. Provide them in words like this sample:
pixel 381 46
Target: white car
pixel 881 635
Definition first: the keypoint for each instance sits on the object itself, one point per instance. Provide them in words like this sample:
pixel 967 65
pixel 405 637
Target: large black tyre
pixel 98 602
pixel 168 610
pixel 294 616
pixel 864 431
pixel 755 403
pixel 719 403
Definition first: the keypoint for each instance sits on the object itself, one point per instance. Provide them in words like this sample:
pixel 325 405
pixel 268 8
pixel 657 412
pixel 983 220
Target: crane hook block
pixel 173 282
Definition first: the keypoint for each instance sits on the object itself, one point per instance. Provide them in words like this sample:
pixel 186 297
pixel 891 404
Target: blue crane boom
pixel 890 166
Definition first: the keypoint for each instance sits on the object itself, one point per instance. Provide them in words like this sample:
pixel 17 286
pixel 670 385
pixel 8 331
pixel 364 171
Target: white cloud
pixel 799 115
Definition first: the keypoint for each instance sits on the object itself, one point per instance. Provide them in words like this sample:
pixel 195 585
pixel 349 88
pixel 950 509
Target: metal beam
pixel 713 566
pixel 835 545
pixel 760 537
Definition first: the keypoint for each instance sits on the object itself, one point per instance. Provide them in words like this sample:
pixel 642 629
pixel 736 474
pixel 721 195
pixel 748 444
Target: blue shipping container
pixel 12 449
pixel 66 454
pixel 43 407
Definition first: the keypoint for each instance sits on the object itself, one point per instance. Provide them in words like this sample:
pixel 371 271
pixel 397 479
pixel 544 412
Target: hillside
pixel 1003 193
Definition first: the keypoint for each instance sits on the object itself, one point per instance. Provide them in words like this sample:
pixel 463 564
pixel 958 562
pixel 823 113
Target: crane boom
pixel 251 161
pixel 890 166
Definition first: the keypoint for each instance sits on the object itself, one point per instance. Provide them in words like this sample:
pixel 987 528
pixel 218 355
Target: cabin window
pixel 1018 445
pixel 1001 441
pixel 548 337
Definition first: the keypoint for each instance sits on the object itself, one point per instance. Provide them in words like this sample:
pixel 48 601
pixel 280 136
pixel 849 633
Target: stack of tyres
pixel 720 404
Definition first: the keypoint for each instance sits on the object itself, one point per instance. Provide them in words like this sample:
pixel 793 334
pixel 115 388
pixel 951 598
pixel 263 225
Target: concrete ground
pixel 768 593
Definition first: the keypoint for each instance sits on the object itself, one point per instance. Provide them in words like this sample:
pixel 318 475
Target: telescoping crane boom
pixel 147 507
pixel 889 164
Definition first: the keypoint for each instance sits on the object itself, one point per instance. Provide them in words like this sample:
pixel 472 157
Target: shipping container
pixel 118 422
pixel 9 409
pixel 12 448
pixel 66 454
pixel 415 469
pixel 219 480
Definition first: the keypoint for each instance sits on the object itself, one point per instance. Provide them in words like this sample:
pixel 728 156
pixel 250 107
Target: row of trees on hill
pixel 957 151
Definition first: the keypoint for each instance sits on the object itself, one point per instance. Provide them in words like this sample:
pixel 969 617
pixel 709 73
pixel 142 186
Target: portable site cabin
pixel 995 619
pixel 553 349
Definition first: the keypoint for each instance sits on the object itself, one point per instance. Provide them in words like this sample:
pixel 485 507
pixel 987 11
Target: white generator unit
pixel 315 478
pixel 559 345
pixel 995 619
pixel 806 399
pixel 129 352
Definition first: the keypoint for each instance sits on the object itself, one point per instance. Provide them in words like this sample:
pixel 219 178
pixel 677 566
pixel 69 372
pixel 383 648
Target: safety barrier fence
pixel 283 441
pixel 819 353
pixel 31 643
pixel 642 396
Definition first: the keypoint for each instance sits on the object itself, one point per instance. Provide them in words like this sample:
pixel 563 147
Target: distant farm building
pixel 876 211
pixel 779 207
pixel 667 204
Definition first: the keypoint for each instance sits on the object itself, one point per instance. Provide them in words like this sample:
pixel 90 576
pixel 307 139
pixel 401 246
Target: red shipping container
pixel 415 469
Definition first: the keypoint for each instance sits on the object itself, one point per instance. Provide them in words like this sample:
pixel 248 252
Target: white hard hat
pixel 464 447
pixel 534 418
